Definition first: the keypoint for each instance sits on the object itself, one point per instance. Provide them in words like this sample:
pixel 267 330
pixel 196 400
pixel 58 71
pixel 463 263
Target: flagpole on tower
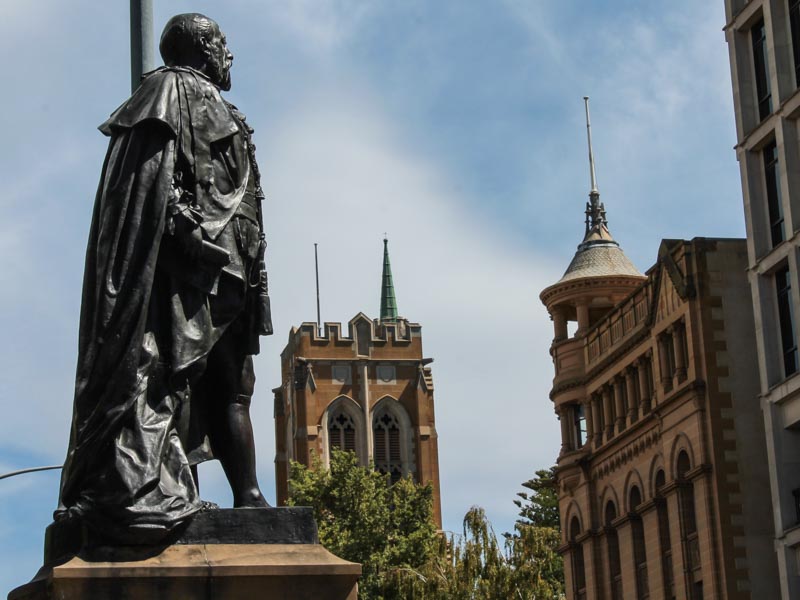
pixel 142 47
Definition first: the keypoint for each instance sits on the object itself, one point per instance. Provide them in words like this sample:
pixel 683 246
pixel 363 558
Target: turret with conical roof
pixel 388 300
pixel 599 276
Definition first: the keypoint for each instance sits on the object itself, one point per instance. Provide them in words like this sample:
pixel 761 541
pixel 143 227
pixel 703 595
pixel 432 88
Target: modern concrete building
pixel 661 472
pixel 368 389
pixel 764 44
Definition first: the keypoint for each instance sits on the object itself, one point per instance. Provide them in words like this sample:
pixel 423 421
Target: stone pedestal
pixel 276 556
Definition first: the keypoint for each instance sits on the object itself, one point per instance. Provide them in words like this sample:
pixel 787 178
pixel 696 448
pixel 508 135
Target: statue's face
pixel 218 59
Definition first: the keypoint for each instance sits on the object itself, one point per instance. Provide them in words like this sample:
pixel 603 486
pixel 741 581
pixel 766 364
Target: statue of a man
pixel 174 299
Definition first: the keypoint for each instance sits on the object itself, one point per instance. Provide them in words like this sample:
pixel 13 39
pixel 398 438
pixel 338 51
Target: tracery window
pixel 341 432
pixel 386 436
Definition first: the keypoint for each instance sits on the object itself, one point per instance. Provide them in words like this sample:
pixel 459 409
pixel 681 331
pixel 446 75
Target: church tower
pixel 366 388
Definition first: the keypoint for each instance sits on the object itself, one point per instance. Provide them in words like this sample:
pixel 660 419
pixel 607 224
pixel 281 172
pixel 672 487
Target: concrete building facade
pixel 764 45
pixel 366 388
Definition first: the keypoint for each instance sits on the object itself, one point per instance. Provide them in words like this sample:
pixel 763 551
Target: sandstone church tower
pixel 366 388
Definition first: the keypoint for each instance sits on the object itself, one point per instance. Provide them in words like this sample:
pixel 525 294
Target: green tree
pixel 540 507
pixel 389 530
pixel 475 566
pixel 363 518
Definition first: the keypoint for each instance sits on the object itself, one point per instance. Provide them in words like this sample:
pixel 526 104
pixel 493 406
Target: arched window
pixel 578 568
pixel 386 432
pixel 612 541
pixel 639 551
pixel 343 429
pixel 341 432
pixel 664 537
pixel 392 439
pixel 689 526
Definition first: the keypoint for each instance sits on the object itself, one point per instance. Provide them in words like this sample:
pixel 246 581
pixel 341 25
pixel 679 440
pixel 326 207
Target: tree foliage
pixel 540 507
pixel 363 518
pixel 389 530
pixel 475 566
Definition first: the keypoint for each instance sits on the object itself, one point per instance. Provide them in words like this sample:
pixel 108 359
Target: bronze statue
pixel 174 300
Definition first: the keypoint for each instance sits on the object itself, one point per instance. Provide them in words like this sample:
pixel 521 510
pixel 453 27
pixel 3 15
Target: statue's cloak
pixel 141 327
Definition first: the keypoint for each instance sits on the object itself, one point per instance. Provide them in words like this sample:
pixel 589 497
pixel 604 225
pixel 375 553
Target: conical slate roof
pixel 599 255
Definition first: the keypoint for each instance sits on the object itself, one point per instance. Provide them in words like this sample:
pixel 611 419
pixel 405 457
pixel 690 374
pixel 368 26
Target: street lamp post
pixel 142 47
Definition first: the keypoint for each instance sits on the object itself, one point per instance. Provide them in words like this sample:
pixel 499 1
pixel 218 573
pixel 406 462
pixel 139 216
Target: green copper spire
pixel 388 301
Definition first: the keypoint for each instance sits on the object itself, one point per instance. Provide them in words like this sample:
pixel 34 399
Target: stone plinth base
pixel 203 572
pixel 247 554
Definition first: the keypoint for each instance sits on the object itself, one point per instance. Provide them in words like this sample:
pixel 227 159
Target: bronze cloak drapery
pixel 127 471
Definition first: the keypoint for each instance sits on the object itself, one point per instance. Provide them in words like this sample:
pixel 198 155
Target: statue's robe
pixel 146 318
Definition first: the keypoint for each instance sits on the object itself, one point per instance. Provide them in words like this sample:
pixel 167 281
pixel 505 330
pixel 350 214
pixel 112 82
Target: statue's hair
pixel 180 40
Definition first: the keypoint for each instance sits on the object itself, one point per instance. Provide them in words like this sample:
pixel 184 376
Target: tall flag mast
pixel 142 46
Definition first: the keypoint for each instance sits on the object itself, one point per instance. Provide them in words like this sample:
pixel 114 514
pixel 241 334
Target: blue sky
pixel 456 126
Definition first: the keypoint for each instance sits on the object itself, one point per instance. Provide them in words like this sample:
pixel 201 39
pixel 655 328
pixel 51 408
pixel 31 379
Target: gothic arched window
pixel 341 432
pixel 386 437
pixel 343 429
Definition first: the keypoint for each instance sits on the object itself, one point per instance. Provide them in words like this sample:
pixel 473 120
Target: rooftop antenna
pixel 316 270
pixel 595 212
pixel 591 153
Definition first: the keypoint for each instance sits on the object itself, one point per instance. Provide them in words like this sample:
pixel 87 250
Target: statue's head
pixel 194 40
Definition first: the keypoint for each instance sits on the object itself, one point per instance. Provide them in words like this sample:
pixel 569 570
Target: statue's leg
pixel 232 430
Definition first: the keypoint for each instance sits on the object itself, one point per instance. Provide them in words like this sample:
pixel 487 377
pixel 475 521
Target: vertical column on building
pixel 619 390
pixel 678 333
pixel 676 541
pixel 603 566
pixel 626 558
pixel 645 398
pixel 559 324
pixel 582 309
pixel 663 363
pixel 705 527
pixel 590 558
pixel 587 413
pixel 633 400
pixel 655 571
pixel 569 575
pixel 608 413
pixel 566 438
pixel 365 408
pixel 597 410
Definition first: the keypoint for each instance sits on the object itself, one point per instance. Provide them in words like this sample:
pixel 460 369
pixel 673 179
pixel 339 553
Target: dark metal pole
pixel 142 47
pixel 316 269
pixel 31 470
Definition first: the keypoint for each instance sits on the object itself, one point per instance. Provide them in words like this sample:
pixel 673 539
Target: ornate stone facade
pixel 661 474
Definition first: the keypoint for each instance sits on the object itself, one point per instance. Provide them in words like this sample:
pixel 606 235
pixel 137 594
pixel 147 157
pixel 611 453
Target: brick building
pixel 367 388
pixel 661 471
pixel 764 45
